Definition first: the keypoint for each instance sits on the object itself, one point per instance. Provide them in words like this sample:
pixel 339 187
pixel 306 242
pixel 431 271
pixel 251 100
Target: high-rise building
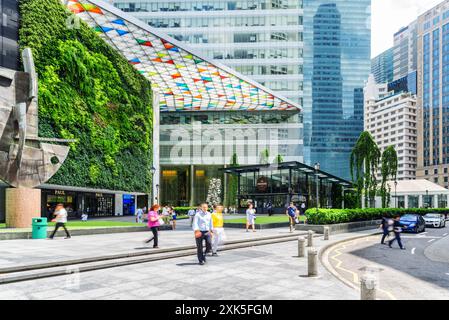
pixel 405 51
pixel 262 39
pixel 391 119
pixel 9 26
pixel 433 97
pixel 382 66
pixel 337 62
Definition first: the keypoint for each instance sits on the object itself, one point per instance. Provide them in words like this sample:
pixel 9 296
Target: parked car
pixel 435 220
pixel 413 223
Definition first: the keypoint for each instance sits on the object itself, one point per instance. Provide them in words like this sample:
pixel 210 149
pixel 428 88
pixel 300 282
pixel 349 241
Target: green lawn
pixel 264 219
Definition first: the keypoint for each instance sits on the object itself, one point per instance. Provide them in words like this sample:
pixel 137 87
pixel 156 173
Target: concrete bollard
pixel 312 262
pixel 310 238
pixel 301 247
pixel 326 233
pixel 368 287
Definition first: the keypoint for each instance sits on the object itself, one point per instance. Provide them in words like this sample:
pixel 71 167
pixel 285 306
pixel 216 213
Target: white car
pixel 435 220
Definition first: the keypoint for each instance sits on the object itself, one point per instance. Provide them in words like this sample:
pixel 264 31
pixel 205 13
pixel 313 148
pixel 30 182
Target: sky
pixel 388 16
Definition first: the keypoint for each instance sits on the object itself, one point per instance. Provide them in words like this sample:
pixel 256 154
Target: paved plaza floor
pixel 264 272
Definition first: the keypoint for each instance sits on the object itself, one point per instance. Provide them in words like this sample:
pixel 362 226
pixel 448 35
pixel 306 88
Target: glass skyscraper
pixel 337 49
pixel 433 94
pixel 259 38
pixel 382 66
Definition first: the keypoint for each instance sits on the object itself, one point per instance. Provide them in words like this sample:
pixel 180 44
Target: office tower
pixel 391 120
pixel 405 51
pixel 9 26
pixel 259 38
pixel 337 62
pixel 433 98
pixel 382 66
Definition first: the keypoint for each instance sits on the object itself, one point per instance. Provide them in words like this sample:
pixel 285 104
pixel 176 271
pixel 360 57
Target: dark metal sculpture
pixel 25 159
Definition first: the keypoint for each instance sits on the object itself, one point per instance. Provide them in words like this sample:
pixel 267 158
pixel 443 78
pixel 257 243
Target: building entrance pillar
pixel 22 204
pixel 192 186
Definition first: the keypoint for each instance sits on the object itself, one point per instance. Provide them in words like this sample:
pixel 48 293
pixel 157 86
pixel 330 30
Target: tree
pixel 214 192
pixel 231 195
pixel 278 159
pixel 364 163
pixel 389 169
pixel 264 155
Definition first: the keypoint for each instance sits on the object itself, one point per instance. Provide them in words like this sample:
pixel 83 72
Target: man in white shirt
pixel 61 220
pixel 202 226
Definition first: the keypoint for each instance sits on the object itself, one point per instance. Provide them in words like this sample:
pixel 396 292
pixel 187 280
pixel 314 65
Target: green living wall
pixel 89 92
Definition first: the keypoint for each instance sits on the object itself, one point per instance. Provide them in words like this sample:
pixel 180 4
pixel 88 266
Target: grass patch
pixel 264 219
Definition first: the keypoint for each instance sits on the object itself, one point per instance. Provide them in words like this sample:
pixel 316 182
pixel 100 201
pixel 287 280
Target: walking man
pixel 139 215
pixel 397 228
pixel 387 227
pixel 202 226
pixel 218 230
pixel 61 220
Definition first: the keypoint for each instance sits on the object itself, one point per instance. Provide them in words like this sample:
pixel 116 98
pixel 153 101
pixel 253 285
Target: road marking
pixel 431 240
pixel 355 276
pixel 444 234
pixel 413 250
pixel 447 274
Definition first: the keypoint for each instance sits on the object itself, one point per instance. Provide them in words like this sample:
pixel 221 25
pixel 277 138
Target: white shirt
pixel 61 215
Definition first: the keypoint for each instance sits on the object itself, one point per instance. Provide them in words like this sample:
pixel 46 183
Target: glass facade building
pixel 9 34
pixel 262 39
pixel 433 89
pixel 382 67
pixel 204 112
pixel 337 62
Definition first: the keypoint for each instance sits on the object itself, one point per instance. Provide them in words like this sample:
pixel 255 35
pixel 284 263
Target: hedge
pixel 182 210
pixel 334 216
pixel 89 92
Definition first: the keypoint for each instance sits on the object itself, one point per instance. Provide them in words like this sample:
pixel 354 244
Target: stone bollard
pixel 312 262
pixel 310 238
pixel 368 287
pixel 301 247
pixel 326 233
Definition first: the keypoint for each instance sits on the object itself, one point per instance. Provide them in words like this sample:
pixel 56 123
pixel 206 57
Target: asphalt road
pixel 419 272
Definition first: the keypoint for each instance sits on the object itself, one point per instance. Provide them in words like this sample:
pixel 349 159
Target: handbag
pixel 296 220
pixel 161 221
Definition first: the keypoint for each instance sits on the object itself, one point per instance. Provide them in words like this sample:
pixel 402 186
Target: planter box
pixel 341 227
pixel 258 226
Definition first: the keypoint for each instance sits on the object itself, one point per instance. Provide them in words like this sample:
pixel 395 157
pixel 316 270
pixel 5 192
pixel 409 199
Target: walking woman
pixel 251 217
pixel 153 224
pixel 172 217
pixel 217 228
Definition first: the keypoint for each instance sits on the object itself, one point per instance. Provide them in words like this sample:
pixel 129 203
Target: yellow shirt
pixel 217 220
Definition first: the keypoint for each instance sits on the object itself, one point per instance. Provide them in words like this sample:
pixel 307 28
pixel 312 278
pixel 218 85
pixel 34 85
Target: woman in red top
pixel 153 224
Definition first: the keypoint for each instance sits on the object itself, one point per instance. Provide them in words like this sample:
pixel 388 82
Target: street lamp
pixel 153 171
pixel 317 168
pixel 157 193
pixel 427 199
pixel 395 193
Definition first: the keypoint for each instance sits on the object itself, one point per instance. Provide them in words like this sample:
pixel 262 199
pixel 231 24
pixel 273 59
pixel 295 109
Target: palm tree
pixel 264 155
pixel 389 168
pixel 364 163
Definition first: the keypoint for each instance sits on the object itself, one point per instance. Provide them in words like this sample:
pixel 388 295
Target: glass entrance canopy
pixel 185 80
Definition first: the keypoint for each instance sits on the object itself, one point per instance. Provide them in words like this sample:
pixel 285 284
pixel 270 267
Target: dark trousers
pixel 205 235
pixel 384 236
pixel 57 226
pixel 397 237
pixel 155 237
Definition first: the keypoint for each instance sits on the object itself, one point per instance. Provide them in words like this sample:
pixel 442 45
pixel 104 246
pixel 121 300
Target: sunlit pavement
pixel 264 272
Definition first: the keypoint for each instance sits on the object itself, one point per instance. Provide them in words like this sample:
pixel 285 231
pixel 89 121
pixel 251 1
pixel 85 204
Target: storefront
pixel 275 186
pixel 95 204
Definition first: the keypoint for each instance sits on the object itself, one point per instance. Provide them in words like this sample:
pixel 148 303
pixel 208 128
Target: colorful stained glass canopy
pixel 185 80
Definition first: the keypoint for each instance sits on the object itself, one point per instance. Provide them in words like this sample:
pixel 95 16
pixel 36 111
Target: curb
pixel 324 259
